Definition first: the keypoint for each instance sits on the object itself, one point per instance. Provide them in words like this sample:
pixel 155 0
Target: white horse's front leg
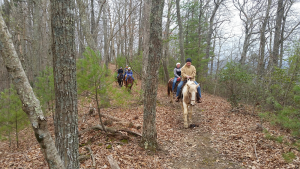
pixel 190 113
pixel 185 113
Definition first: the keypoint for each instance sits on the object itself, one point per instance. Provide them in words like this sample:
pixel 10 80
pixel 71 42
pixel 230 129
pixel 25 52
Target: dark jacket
pixel 177 72
pixel 120 71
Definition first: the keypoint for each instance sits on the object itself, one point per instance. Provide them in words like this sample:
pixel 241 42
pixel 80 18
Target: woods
pixel 58 58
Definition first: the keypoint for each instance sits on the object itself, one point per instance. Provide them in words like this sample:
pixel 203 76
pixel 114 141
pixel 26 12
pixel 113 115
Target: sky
pixel 234 29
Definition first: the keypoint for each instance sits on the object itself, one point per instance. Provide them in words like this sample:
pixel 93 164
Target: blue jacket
pixel 129 73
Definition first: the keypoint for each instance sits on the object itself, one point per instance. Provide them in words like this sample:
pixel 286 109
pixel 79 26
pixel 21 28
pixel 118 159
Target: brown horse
pixel 128 83
pixel 170 83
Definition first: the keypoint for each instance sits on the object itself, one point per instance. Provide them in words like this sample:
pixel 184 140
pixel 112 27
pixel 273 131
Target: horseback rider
pixel 188 71
pixel 126 69
pixel 129 73
pixel 177 73
pixel 120 71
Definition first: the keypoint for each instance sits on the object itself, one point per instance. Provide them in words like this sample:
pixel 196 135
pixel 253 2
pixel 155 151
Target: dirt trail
pixel 222 140
pixel 194 150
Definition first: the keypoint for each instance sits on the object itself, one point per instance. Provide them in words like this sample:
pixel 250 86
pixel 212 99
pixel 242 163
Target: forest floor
pixel 224 139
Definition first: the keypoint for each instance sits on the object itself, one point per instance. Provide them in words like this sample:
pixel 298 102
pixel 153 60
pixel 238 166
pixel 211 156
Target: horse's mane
pixel 190 82
pixel 129 80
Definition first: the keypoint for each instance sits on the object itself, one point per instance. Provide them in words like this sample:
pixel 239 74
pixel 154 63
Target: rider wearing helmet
pixel 129 73
pixel 188 71
pixel 177 73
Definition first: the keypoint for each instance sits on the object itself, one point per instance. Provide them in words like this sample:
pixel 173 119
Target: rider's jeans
pixel 180 86
pixel 174 82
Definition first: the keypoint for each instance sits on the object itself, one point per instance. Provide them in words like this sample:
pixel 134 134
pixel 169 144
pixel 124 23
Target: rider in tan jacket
pixel 188 71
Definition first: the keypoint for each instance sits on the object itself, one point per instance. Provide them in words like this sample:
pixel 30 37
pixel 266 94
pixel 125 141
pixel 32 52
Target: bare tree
pixel 149 138
pixel 140 30
pixel 217 4
pixel 31 105
pixel 146 18
pixel 106 41
pixel 166 38
pixel 182 55
pixel 262 45
pixel 64 64
pixel 247 13
pixel 285 33
pixel 279 17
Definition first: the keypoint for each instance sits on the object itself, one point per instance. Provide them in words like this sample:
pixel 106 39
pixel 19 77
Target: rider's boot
pixel 199 99
pixel 177 99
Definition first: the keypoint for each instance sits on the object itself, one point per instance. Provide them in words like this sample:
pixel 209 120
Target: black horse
pixel 120 80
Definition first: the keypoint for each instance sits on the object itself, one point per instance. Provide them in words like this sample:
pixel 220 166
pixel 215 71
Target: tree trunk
pixel 279 16
pixel 31 105
pixel 281 43
pixel 64 70
pixel 36 64
pixel 149 139
pixel 106 43
pixel 131 27
pixel 93 25
pixel 270 61
pixel 261 65
pixel 81 38
pixel 125 30
pixel 140 31
pixel 246 44
pixel 85 24
pixel 200 40
pixel 147 8
pixel 282 33
pixel 17 136
pixel 166 44
pixel 200 26
pixel 187 31
pixel 212 57
pixel 120 36
pixel 182 56
pixel 210 31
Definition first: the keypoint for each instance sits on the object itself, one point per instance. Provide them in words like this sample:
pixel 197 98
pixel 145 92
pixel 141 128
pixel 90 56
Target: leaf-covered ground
pixel 224 139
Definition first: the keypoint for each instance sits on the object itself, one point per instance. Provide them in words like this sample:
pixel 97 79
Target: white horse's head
pixel 191 91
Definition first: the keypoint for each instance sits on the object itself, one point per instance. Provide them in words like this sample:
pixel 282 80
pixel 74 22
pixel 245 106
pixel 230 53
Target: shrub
pixel 12 117
pixel 233 77
pixel 44 89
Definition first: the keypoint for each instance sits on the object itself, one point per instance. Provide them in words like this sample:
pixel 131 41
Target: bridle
pixel 190 98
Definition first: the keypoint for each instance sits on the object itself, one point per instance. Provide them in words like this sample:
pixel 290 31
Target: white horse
pixel 189 92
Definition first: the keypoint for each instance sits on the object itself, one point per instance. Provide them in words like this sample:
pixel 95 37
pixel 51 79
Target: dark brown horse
pixel 128 83
pixel 170 83
pixel 120 80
